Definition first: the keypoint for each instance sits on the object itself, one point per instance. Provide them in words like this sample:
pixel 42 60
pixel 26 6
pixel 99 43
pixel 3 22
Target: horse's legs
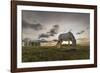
pixel 58 44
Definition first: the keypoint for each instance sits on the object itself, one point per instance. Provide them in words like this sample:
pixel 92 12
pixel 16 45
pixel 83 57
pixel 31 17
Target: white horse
pixel 66 37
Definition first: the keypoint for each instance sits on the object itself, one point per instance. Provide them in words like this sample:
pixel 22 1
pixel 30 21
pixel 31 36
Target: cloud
pixel 78 33
pixel 37 26
pixel 43 35
pixel 51 32
pixel 43 40
pixel 55 40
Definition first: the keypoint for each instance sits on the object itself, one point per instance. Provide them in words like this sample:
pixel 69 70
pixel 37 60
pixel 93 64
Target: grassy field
pixel 35 54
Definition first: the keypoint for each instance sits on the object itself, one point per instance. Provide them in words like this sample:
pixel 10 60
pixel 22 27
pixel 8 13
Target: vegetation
pixel 35 54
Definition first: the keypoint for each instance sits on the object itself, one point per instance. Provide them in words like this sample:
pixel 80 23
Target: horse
pixel 66 37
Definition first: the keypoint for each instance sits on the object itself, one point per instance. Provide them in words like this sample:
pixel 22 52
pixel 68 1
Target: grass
pixel 36 54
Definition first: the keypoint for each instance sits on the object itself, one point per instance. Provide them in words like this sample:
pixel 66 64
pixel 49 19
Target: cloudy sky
pixel 48 25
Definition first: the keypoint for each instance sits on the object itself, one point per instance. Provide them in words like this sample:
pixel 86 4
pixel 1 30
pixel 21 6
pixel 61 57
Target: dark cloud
pixel 43 40
pixel 56 26
pixel 43 35
pixel 37 26
pixel 78 33
pixel 55 40
pixel 51 32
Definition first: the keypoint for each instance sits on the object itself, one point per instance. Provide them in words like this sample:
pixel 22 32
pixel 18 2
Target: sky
pixel 49 25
